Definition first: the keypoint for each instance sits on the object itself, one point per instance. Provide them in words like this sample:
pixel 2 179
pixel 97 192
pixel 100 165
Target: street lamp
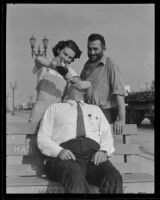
pixel 39 53
pixel 13 87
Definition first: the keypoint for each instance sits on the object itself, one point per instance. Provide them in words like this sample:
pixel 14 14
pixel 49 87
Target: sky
pixel 128 30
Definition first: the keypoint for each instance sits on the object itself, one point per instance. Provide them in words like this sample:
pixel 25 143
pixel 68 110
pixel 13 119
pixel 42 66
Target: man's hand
pixel 118 127
pixel 99 157
pixel 66 154
pixel 119 124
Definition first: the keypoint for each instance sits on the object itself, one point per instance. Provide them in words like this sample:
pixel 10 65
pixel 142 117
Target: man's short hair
pixel 96 36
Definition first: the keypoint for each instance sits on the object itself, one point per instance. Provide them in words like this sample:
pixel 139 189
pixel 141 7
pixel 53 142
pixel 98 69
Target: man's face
pixel 95 50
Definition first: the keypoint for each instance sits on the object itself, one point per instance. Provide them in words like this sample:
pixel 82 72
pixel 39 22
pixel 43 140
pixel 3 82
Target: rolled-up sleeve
pixel 117 84
pixel 44 138
pixel 106 141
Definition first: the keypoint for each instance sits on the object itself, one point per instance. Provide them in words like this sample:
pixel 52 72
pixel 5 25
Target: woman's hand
pixel 56 61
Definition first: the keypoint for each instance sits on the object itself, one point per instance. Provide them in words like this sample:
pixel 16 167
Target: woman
pixel 50 83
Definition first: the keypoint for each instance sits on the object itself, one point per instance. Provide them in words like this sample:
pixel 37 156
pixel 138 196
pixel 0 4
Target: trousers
pixel 75 176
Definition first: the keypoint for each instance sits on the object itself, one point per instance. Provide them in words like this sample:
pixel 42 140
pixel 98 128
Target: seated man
pixel 77 140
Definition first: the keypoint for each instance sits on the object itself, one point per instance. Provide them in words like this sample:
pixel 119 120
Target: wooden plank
pixel 22 149
pixel 129 188
pixel 21 128
pixel 16 139
pixel 21 139
pixel 137 177
pixel 117 159
pixel 27 149
pixel 35 190
pixel 32 185
pixel 118 139
pixel 12 160
pixel 31 128
pixel 128 167
pixel 129 129
pixel 145 187
pixel 21 170
pixel 140 187
pixel 28 159
pixel 126 149
pixel 33 170
pixel 28 181
pixel 25 170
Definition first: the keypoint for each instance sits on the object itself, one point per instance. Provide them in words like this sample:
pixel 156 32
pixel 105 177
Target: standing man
pixel 77 139
pixel 107 89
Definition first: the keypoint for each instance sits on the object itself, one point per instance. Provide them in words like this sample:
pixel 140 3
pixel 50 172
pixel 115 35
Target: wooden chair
pixel 25 163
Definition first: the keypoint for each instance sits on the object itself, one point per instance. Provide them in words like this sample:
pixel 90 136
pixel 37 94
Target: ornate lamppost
pixel 7 107
pixel 13 87
pixel 38 53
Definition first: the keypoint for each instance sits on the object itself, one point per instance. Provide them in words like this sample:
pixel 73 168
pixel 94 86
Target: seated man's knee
pixel 117 176
pixel 73 180
pixel 114 175
pixel 112 182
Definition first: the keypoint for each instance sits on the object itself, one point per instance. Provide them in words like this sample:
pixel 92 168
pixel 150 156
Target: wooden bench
pixel 25 169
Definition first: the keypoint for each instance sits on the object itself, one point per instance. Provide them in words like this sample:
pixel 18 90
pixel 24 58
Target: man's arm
pixel 48 63
pixel 44 138
pixel 106 141
pixel 55 64
pixel 42 62
pixel 120 122
pixel 118 91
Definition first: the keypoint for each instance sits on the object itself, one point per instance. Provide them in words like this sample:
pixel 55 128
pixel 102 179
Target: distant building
pixel 146 86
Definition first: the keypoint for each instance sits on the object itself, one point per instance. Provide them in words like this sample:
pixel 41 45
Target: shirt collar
pixel 101 61
pixel 72 102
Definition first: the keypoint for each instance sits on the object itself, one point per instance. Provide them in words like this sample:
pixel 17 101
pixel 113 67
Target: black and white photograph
pixel 80 91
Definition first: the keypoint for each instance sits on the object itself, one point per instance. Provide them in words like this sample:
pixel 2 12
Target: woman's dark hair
pixel 67 43
pixel 96 36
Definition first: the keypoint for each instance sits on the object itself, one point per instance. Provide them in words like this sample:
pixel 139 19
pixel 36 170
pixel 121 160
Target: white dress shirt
pixel 59 125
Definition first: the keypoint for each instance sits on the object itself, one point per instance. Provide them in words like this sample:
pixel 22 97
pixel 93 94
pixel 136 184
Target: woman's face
pixel 67 55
